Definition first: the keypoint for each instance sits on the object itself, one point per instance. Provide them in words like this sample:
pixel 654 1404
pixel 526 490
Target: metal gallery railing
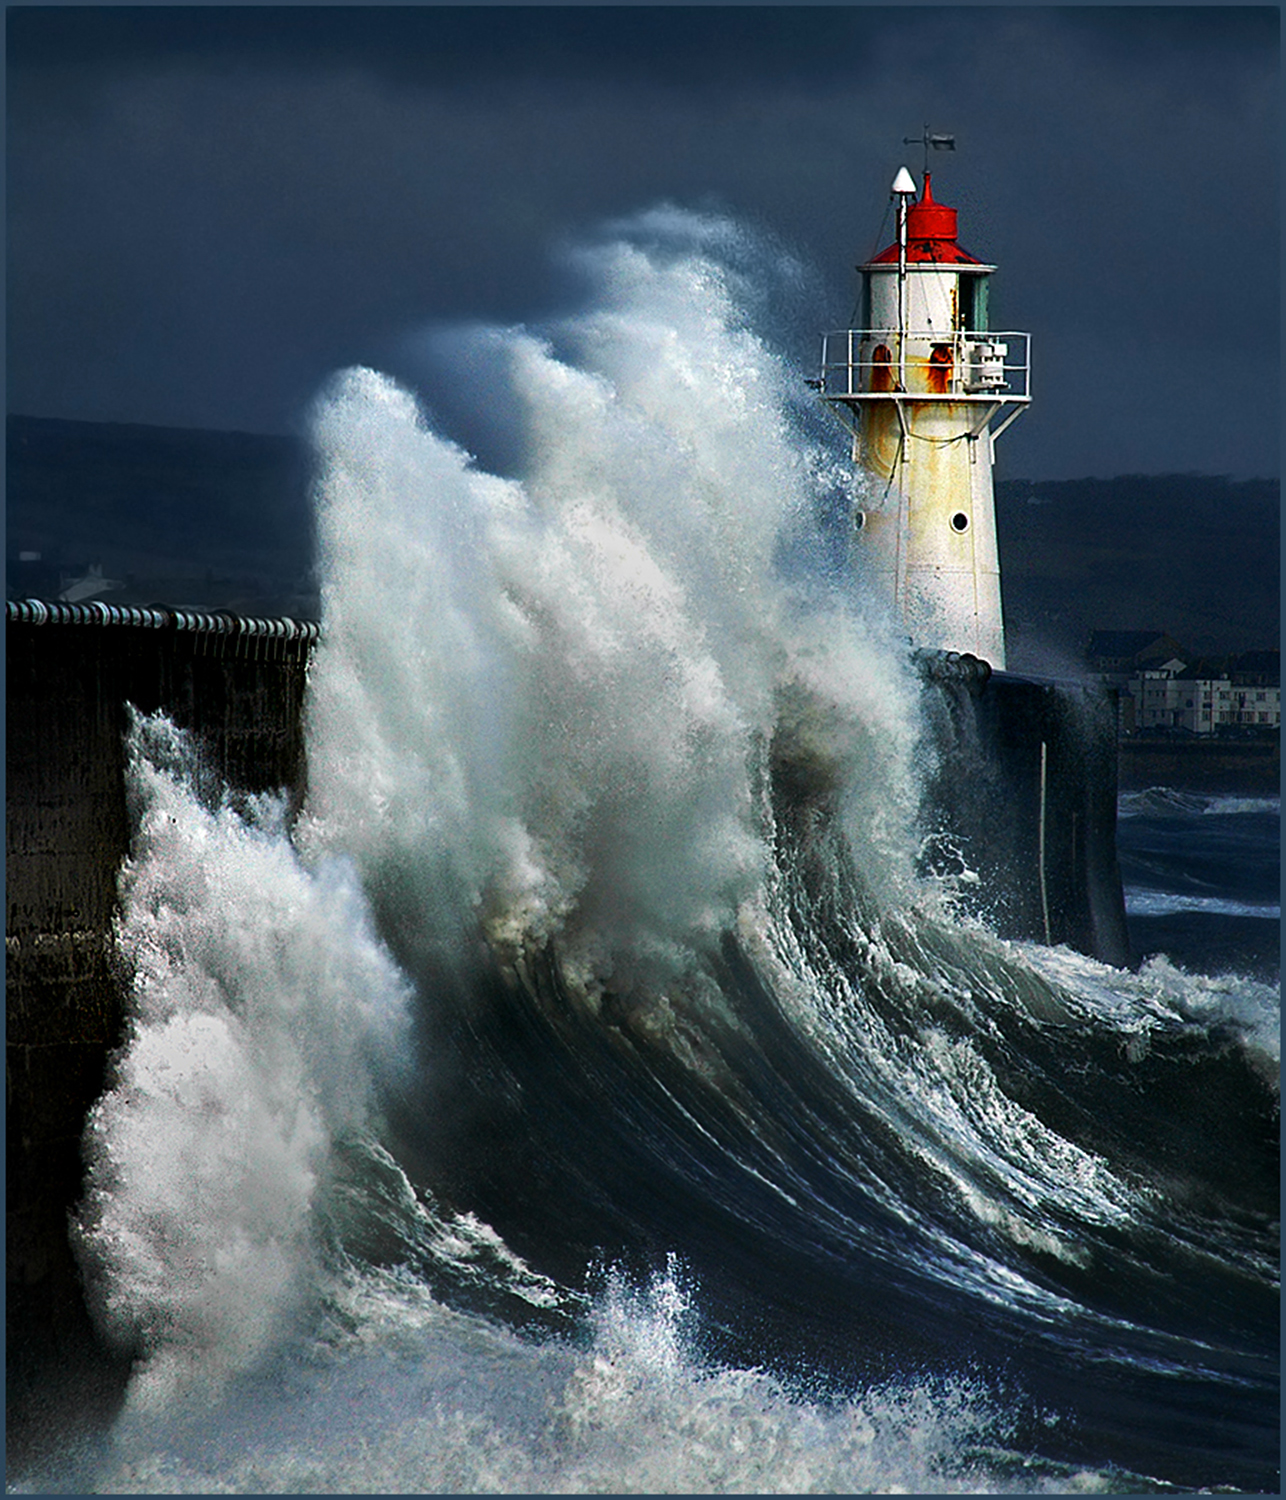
pixel 867 364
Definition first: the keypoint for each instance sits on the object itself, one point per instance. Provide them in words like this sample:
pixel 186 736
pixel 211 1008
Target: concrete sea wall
pixel 1203 764
pixel 1025 796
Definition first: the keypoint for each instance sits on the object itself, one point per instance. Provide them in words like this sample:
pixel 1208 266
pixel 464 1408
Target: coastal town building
pixel 1118 655
pixel 1164 687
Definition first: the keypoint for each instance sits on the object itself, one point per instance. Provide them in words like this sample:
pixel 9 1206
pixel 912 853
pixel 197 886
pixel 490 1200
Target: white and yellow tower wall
pixel 925 389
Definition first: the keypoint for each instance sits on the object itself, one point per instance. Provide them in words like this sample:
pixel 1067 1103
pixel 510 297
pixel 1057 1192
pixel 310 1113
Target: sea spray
pixel 260 1002
pixel 547 702
pixel 406 1396
pixel 541 708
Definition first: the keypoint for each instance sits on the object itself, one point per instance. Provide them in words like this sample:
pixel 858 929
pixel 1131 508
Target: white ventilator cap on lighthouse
pixel 904 182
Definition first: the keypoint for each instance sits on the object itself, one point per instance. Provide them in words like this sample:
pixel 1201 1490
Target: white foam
pixel 1159 801
pixel 434 1403
pixel 1140 902
pixel 260 1000
pixel 545 701
pixel 1162 995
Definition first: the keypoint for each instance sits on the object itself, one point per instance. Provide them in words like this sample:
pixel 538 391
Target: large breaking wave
pixel 583 1090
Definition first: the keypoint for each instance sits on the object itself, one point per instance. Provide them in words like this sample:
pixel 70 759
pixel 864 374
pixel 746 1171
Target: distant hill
pixel 222 519
pixel 1196 555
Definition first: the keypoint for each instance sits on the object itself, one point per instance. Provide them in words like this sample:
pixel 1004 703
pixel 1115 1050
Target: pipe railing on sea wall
pixel 246 632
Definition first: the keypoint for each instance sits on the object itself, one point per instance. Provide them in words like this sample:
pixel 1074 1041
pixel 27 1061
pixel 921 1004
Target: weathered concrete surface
pixel 66 834
pixel 1025 795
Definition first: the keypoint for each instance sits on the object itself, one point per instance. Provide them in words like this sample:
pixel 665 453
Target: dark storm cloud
pixel 211 209
pixel 694 47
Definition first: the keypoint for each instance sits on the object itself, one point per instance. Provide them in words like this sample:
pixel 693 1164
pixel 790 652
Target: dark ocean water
pixel 585 1093
pixel 1203 878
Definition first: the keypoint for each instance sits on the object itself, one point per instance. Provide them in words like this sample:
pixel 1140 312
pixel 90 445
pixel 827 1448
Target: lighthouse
pixel 925 389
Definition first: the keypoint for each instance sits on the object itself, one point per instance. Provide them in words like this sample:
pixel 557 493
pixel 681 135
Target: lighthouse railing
pixel 861 364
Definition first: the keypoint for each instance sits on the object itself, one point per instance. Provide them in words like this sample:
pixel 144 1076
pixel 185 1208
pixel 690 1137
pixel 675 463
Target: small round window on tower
pixel 859 520
pixel 960 521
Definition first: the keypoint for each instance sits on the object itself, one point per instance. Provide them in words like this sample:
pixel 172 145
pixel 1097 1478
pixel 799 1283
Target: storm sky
pixel 212 209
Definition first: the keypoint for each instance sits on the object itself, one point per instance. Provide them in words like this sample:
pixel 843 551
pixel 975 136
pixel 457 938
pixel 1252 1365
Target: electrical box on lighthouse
pixel 925 388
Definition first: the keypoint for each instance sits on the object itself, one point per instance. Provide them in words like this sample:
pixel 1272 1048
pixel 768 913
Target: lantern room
pixel 945 287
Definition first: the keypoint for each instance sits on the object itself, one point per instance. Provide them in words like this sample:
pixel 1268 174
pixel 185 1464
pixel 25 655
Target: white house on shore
pixel 1162 686
pixel 1201 705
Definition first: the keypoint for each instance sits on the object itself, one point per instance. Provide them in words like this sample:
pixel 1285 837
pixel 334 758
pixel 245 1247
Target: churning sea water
pixel 1202 878
pixel 584 1091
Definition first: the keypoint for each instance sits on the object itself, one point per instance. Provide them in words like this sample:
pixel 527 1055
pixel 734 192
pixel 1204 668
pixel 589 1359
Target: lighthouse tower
pixel 925 389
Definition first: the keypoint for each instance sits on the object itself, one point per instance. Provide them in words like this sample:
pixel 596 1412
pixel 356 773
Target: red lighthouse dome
pixel 930 235
pixel 930 220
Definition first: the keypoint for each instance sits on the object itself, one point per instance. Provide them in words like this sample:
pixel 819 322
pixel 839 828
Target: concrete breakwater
pixel 238 684
pixel 1023 796
pixel 1203 764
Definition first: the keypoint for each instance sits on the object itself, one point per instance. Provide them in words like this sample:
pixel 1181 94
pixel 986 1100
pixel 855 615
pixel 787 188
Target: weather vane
pixel 930 142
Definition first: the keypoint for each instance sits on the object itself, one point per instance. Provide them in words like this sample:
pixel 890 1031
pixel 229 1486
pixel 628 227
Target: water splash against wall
pixel 549 700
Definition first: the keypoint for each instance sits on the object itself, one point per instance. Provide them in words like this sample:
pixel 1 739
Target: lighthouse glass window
pixel 973 304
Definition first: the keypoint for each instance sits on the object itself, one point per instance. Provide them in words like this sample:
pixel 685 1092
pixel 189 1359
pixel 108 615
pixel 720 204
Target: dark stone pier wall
pixel 1025 792
pixel 71 671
